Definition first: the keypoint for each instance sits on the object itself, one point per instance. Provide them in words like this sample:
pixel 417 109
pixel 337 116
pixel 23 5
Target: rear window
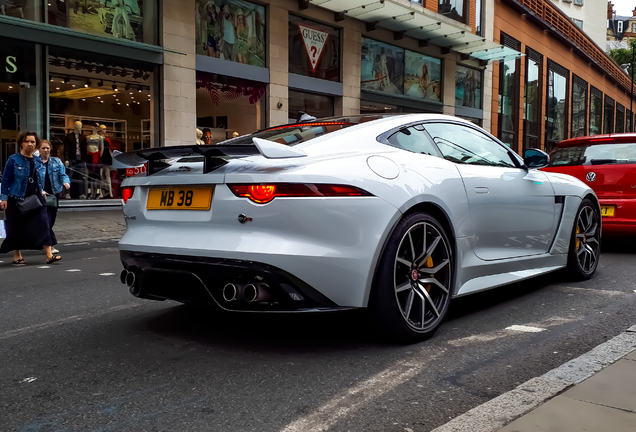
pixel 598 154
pixel 297 133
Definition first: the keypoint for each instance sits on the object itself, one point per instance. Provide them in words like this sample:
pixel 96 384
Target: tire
pixel 410 297
pixel 585 244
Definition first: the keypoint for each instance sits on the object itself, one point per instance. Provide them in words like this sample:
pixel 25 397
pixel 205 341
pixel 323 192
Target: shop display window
pixel 454 9
pixel 314 49
pixel 620 118
pixel 95 109
pixel 228 107
pixel 231 30
pixel 608 119
pixel 315 105
pixel 596 111
pixel 579 107
pixel 556 105
pixel 134 20
pixel 532 100
pixel 394 71
pixel 628 121
pixel 467 87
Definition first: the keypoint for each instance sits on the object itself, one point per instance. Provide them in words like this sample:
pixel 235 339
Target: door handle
pixel 481 190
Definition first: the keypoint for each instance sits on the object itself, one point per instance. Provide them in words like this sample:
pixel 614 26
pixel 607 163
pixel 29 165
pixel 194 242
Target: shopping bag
pixel 3 233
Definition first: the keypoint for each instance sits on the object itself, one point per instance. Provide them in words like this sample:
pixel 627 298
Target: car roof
pixel 600 139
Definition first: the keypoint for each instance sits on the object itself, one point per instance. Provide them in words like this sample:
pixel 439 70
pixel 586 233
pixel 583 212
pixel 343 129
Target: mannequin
pixel 94 149
pixel 107 161
pixel 199 141
pixel 75 155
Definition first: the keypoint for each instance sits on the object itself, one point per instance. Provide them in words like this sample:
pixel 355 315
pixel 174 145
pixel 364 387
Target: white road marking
pixel 73 270
pixel 526 329
pixel 496 413
pixel 44 266
pixel 43 326
pixel 75 244
pixel 591 290
pixel 107 274
pixel 29 380
pixel 354 398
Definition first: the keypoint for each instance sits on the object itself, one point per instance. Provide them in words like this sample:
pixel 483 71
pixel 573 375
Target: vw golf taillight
pixel 264 193
pixel 127 193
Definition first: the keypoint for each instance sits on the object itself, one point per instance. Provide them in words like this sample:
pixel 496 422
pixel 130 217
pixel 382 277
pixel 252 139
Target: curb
pixel 498 412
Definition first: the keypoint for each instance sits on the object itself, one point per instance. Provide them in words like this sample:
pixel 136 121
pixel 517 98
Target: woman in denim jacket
pixel 55 182
pixel 24 175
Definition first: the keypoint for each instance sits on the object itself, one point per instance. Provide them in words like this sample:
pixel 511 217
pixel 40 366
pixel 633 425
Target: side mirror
pixel 535 158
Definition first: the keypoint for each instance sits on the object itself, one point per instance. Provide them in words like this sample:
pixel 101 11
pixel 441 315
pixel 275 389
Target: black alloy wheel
pixel 585 245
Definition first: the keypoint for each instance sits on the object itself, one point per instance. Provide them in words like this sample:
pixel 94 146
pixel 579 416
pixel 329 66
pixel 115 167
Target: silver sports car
pixel 397 214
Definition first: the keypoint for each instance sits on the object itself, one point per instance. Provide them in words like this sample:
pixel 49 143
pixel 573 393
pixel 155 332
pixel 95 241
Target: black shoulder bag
pixel 32 202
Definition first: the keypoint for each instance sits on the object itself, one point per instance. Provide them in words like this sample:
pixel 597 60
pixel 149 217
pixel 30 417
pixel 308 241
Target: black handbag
pixel 29 204
pixel 51 201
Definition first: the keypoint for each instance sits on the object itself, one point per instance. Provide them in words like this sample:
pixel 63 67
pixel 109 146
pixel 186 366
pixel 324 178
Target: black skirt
pixel 28 231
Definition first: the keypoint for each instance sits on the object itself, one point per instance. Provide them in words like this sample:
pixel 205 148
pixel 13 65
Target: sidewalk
pixel 605 402
pixel 79 226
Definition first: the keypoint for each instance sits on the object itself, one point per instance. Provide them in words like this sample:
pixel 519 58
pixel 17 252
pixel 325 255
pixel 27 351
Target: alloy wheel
pixel 422 276
pixel 588 239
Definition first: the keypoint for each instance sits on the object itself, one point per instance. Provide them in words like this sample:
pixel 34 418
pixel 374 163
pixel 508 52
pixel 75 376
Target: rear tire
pixel 585 244
pixel 413 286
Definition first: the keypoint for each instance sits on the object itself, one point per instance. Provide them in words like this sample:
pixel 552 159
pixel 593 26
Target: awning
pixel 420 23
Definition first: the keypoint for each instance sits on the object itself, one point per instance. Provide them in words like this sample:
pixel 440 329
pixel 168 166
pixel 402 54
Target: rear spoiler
pixel 213 156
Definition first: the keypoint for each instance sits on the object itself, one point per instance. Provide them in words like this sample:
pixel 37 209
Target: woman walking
pixel 55 182
pixel 22 196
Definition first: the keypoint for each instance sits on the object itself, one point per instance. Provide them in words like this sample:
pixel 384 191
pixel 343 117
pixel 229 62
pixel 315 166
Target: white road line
pixel 496 413
pixel 75 244
pixel 107 274
pixel 44 267
pixel 526 329
pixel 591 290
pixel 43 326
pixel 73 270
pixel 354 398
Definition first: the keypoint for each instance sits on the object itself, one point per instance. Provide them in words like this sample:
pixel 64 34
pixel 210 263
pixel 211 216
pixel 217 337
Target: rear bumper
pixel 624 221
pixel 200 280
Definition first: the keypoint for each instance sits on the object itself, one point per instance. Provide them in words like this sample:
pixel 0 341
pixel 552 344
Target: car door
pixel 512 209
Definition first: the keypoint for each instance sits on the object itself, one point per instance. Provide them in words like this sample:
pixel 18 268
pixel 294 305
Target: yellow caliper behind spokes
pixel 578 242
pixel 428 264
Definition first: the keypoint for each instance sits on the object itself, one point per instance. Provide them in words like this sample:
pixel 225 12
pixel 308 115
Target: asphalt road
pixel 80 354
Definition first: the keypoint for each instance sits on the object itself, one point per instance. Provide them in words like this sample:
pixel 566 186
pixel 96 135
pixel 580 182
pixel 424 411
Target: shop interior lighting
pixel 139 90
pixel 115 87
pixel 88 83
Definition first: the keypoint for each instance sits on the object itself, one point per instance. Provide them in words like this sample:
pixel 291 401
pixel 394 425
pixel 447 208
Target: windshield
pixel 599 154
pixel 297 133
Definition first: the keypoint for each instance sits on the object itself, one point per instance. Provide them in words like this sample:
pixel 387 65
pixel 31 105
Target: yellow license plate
pixel 180 198
pixel 607 210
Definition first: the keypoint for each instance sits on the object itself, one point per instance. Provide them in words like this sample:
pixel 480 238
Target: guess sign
pixel 314 43
pixel 131 172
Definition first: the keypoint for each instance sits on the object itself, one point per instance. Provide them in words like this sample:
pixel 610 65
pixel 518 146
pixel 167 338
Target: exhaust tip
pixel 250 293
pixel 230 293
pixel 130 279
pixel 122 276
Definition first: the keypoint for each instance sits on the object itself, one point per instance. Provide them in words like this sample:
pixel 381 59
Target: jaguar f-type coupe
pixel 396 214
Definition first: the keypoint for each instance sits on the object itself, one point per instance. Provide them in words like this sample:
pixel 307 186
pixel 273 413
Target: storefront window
pixel 608 120
pixel 628 121
pixel 314 49
pixel 231 30
pixel 455 9
pixel 596 111
pixel 382 68
pixel 467 87
pixel 556 105
pixel 228 107
pixel 579 107
pixel 368 107
pixel 96 108
pixel 508 103
pixel 134 20
pixel 422 77
pixel 25 9
pixel 620 118
pixel 318 106
pixel 532 100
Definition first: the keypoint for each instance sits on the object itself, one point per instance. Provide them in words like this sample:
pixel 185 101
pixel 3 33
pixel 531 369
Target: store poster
pixel 231 30
pixel 423 77
pixel 314 41
pixel 467 87
pixel 120 19
pixel 382 68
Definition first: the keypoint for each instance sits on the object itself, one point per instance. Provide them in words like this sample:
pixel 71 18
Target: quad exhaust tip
pixel 248 293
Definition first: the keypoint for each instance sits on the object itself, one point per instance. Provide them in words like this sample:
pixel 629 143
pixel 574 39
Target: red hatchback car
pixel 607 163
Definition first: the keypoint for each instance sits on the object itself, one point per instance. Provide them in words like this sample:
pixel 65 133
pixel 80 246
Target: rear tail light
pixel 264 193
pixel 127 193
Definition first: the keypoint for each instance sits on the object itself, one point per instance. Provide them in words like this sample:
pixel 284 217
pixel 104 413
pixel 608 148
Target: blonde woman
pixel 55 182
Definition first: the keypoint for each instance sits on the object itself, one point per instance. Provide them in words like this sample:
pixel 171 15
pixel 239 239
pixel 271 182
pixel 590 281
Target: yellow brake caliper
pixel 429 264
pixel 578 242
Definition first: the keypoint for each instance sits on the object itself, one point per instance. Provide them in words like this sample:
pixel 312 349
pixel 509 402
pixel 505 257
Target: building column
pixel 278 96
pixel 487 99
pixel 349 103
pixel 178 89
pixel 449 67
